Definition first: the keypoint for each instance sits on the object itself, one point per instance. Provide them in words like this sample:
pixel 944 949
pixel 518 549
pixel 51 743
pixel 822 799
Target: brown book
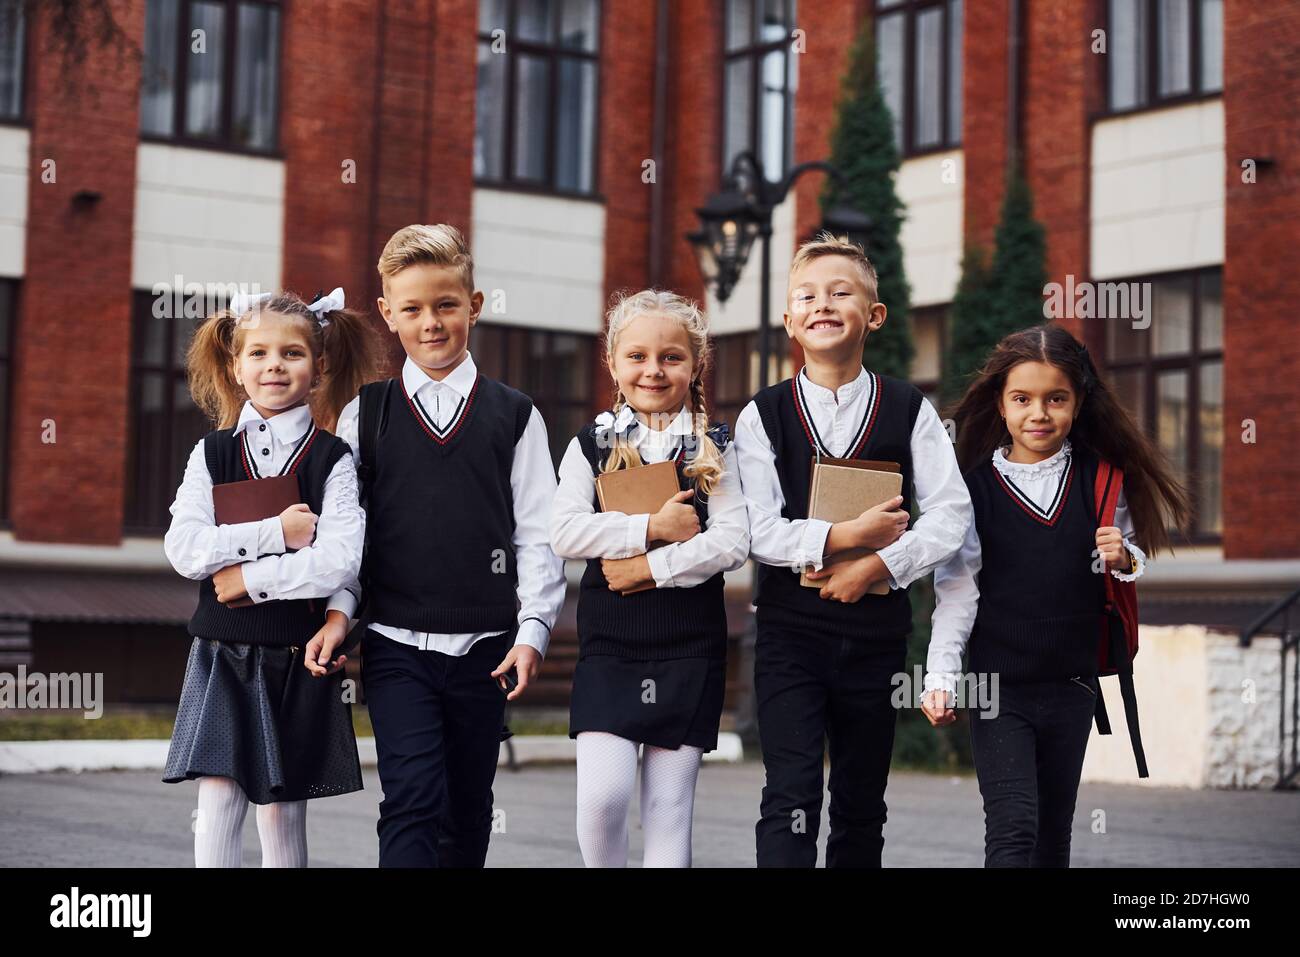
pixel 642 490
pixel 251 501
pixel 841 490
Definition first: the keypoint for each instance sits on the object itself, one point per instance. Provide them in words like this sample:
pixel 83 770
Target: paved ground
pixel 131 819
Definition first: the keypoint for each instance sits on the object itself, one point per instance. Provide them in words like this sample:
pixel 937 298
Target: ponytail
pixel 208 364
pixel 351 349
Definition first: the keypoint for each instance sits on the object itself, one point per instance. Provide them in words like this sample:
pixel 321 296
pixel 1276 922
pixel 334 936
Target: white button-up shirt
pixel 198 547
pixel 578 531
pixel 541 580
pixel 940 492
pixel 956 588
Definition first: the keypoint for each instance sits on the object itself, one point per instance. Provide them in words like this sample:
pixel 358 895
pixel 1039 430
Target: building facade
pixel 221 142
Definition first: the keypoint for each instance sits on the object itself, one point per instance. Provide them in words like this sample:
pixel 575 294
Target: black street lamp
pixel 730 221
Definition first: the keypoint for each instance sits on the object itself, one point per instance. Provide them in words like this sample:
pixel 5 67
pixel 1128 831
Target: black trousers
pixel 812 689
pixel 1028 760
pixel 438 725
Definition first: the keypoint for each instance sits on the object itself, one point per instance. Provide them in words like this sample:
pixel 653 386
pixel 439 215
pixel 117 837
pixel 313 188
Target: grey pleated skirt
pixel 255 714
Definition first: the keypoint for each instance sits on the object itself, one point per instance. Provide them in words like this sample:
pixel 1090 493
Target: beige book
pixel 641 490
pixel 841 490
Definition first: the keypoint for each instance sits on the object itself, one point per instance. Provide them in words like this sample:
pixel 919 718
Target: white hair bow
pixel 242 302
pixel 324 304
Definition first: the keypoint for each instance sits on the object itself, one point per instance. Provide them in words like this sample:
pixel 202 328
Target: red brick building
pixel 280 143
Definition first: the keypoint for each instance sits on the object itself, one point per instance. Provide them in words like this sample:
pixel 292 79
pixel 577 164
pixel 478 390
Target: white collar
pixel 287 427
pixel 844 393
pixel 1048 466
pixel 623 424
pixel 460 380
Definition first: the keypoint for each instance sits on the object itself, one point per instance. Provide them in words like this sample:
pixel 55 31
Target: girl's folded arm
pixel 956 597
pixel 195 544
pixel 722 546
pixel 1124 522
pixel 577 529
pixel 332 561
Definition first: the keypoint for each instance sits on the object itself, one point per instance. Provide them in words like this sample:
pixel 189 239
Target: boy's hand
pixel 229 584
pixel 1110 545
pixel 526 662
pixel 881 524
pixel 849 581
pixel 934 705
pixel 675 522
pixel 298 523
pixel 317 656
pixel 624 574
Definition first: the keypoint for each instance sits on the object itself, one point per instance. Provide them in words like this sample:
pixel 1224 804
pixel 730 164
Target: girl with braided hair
pixel 652 628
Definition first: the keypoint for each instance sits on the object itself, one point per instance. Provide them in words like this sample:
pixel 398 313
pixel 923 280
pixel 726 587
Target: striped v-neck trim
pixel 1049 515
pixel 442 435
pixel 291 464
pixel 860 435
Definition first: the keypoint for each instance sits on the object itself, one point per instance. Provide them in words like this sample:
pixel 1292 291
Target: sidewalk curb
pixel 36 757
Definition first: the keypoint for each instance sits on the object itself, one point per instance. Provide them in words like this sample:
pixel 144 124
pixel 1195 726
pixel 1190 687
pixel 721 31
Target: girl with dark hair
pixel 1025 590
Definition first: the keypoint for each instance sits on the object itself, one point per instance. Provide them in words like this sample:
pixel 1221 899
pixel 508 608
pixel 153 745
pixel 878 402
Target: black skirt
pixel 255 714
pixel 662 703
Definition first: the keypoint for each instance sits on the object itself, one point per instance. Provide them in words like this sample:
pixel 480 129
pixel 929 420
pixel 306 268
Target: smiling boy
pixel 461 584
pixel 826 658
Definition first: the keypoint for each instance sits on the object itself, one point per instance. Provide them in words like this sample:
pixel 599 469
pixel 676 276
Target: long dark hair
pixel 1156 499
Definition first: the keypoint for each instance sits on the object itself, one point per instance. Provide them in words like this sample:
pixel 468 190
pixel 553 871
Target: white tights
pixel 219 827
pixel 606 777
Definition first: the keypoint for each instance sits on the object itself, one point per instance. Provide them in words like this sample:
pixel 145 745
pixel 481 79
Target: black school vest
pixel 885 434
pixel 279 623
pixel 660 623
pixel 1040 600
pixel 440 517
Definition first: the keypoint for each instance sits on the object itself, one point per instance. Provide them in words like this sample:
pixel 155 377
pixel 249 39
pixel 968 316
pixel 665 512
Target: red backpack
pixel 1118 642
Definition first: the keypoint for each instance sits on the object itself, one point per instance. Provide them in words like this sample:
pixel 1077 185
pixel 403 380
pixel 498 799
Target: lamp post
pixel 730 221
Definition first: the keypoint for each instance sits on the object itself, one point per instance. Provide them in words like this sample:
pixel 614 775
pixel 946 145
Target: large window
pixel 918 60
pixel 1170 375
pixel 11 60
pixel 929 326
pixel 211 72
pixel 553 368
pixel 734 374
pixel 759 81
pixel 735 365
pixel 8 306
pixel 1162 50
pixel 538 66
pixel 164 422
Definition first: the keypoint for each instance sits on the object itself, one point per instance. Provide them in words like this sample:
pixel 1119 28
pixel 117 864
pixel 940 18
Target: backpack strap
pixel 372 416
pixel 212 454
pixel 1106 497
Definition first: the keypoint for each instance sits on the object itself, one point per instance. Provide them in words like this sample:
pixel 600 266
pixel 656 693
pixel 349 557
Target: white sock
pixel 668 804
pixel 219 824
pixel 282 827
pixel 606 777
